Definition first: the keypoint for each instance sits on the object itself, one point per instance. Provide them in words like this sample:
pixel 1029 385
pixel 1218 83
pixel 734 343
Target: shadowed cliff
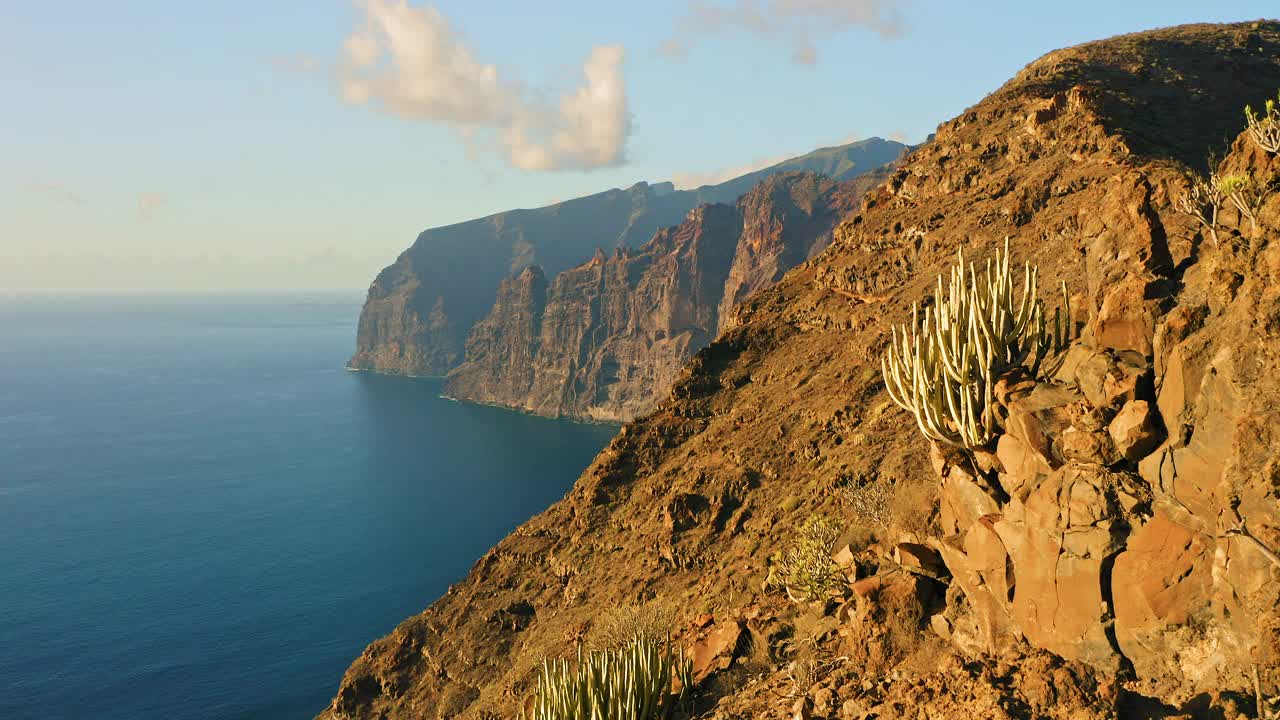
pixel 420 309
pixel 608 337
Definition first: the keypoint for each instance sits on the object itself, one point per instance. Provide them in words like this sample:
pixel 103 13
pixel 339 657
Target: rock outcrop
pixel 421 308
pixel 609 336
pixel 1112 554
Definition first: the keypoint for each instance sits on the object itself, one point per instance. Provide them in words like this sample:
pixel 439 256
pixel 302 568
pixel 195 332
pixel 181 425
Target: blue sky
pixel 161 146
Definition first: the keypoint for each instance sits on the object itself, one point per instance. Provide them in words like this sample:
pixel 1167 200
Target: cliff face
pixel 420 309
pixel 1112 553
pixel 614 332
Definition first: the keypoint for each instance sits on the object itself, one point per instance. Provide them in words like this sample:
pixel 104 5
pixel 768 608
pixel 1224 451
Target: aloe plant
pixel 943 365
pixel 630 682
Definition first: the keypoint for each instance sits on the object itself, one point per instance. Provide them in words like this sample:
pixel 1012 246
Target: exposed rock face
pixel 1106 559
pixel 421 308
pixel 611 335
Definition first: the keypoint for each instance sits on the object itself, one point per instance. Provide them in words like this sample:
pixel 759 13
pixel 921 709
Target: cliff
pixel 612 334
pixel 420 309
pixel 1112 553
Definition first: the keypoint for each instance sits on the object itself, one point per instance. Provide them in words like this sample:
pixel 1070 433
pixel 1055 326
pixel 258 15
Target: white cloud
pixel 409 62
pixel 796 22
pixel 149 203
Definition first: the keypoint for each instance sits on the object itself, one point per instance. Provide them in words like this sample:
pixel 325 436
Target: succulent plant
pixel 630 682
pixel 805 570
pixel 1265 128
pixel 943 364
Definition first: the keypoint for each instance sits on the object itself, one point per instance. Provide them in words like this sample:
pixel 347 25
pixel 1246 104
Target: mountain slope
pixel 610 335
pixel 420 309
pixel 1098 584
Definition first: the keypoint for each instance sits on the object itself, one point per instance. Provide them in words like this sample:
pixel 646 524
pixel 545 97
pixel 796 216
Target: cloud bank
pixel 796 22
pixel 409 62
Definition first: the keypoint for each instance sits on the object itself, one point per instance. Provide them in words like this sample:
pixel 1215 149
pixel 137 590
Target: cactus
pixel 631 682
pixel 1265 128
pixel 943 366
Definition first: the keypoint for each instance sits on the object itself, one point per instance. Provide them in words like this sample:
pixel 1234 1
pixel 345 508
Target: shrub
pixel 631 682
pixel 805 570
pixel 943 366
pixel 1202 201
pixel 1265 128
pixel 622 624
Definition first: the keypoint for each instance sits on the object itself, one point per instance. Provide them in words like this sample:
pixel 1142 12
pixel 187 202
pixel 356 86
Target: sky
pixel 298 145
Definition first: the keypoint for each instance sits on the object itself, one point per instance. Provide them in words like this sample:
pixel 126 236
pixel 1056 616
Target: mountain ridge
pixel 603 341
pixel 419 310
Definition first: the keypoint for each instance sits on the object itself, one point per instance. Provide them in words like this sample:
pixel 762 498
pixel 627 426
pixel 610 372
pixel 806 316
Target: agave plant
pixel 629 682
pixel 1265 128
pixel 943 364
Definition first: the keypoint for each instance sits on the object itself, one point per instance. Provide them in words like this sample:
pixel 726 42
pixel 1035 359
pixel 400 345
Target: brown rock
pixel 1076 445
pixel 1161 581
pixel 963 500
pixel 1059 540
pixel 1127 318
pixel 919 559
pixel 1023 467
pixel 715 649
pixel 1109 379
pixel 1135 430
pixel 1041 415
pixel 843 557
pixel 867 586
pixel 980 567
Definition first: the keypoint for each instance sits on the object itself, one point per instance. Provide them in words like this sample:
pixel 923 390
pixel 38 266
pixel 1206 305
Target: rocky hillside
pixel 605 340
pixel 421 308
pixel 1111 553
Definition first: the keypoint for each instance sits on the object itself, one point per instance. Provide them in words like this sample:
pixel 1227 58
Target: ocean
pixel 203 515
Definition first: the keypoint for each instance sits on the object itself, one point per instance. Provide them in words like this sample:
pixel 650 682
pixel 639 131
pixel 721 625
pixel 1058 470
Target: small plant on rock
pixel 943 365
pixel 805 570
pixel 1202 201
pixel 631 682
pixel 1248 196
pixel 1265 128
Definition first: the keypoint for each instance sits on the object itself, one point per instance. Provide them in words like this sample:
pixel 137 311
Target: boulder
pixel 714 649
pixel 1059 540
pixel 1039 416
pixel 1135 430
pixel 1109 379
pixel 1161 582
pixel 1127 318
pixel 980 566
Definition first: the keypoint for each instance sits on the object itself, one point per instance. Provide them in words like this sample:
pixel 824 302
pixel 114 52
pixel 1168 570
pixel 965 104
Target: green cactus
pixel 943 366
pixel 1265 128
pixel 630 682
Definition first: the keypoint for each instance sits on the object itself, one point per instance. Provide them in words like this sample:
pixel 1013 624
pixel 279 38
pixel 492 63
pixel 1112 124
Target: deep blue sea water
pixel 202 515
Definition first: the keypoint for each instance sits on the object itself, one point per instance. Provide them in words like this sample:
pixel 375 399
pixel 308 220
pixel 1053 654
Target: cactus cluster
pixel 1265 128
pixel 943 365
pixel 629 682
